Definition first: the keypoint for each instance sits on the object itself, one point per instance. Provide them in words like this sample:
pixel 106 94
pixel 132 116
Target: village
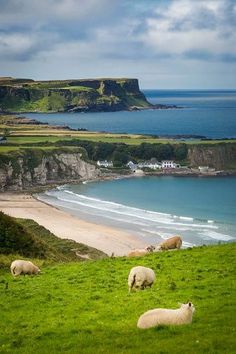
pixel 160 166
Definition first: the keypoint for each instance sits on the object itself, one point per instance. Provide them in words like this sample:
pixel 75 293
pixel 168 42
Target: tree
pixel 103 151
pixel 181 152
pixel 120 158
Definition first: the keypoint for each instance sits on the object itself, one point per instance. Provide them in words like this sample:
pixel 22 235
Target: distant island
pixel 84 95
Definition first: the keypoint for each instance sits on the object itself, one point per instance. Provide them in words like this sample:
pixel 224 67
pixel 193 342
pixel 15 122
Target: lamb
pixel 140 277
pixel 23 267
pixel 160 317
pixel 141 252
pixel 174 242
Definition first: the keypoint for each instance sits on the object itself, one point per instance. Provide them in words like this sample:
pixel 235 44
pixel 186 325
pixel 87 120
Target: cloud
pixel 24 46
pixel 203 30
pixel 198 29
pixel 54 38
pixel 50 11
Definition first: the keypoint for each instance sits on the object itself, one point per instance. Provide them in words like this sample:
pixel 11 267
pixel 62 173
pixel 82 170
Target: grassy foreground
pixel 86 308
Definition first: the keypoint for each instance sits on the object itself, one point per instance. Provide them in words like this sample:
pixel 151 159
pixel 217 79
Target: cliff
pixel 220 156
pixel 33 167
pixel 28 168
pixel 23 95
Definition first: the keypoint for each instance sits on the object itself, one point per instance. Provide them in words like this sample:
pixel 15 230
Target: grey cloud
pixel 40 13
pixel 112 36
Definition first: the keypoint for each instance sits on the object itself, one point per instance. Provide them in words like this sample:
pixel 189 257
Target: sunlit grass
pixel 86 308
pixel 56 135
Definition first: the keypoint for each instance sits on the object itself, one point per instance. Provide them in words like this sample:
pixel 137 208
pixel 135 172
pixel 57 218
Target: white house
pixel 131 165
pixel 105 163
pixel 168 164
pixel 203 169
pixel 154 165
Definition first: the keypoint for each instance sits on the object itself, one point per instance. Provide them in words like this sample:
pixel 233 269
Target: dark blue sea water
pixel 201 210
pixel 207 113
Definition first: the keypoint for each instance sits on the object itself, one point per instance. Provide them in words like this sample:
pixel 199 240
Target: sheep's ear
pixel 189 304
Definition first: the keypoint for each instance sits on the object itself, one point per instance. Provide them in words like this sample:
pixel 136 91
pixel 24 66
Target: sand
pixel 62 224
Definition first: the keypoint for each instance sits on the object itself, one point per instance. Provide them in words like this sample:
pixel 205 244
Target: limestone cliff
pixel 221 156
pixel 22 95
pixel 26 169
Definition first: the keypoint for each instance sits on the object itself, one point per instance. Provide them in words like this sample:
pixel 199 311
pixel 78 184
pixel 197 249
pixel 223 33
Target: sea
pixel 206 113
pixel 200 209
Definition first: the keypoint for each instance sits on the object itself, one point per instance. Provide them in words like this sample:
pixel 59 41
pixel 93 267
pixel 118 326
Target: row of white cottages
pixel 154 165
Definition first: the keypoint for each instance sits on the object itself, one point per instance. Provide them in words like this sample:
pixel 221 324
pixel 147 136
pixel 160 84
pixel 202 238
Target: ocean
pixel 201 210
pixel 206 113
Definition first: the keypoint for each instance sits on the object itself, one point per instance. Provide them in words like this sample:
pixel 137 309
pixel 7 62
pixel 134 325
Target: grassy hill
pixel 86 308
pixel 22 95
pixel 25 238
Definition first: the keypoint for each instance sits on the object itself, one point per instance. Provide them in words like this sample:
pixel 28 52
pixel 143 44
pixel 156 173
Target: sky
pixel 166 44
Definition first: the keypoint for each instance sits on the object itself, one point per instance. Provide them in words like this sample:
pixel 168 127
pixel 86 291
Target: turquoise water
pixel 206 113
pixel 201 210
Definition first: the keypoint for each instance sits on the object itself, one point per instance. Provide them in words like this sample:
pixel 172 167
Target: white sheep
pixel 174 242
pixel 141 252
pixel 23 267
pixel 141 277
pixel 160 317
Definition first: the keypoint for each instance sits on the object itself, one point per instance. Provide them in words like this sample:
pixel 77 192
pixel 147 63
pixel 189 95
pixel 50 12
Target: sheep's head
pixel 189 306
pixel 158 248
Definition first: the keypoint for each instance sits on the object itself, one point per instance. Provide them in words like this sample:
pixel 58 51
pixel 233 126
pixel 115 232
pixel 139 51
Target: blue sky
pixel 163 43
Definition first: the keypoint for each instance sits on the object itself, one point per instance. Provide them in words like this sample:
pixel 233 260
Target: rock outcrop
pixel 20 95
pixel 33 168
pixel 221 156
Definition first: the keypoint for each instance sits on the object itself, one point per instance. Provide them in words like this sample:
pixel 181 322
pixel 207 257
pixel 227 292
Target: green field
pixel 101 137
pixel 86 308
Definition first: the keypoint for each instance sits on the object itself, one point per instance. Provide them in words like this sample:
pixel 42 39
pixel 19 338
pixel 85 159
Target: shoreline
pixel 112 175
pixel 63 225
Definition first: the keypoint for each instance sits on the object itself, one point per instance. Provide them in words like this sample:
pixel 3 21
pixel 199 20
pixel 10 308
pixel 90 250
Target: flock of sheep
pixel 174 242
pixel 139 278
pixel 142 277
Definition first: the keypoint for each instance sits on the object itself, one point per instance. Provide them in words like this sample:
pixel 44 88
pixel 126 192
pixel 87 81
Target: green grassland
pixel 59 96
pixel 37 136
pixel 86 308
pixel 100 145
pixel 19 134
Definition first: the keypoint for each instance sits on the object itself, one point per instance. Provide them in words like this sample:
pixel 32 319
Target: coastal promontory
pixel 84 95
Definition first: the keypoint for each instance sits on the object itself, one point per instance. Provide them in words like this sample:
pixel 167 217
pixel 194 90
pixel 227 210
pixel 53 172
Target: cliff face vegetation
pixel 28 168
pixel 22 95
pixel 220 156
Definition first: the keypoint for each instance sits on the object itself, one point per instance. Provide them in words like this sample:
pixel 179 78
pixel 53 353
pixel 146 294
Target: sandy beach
pixel 64 225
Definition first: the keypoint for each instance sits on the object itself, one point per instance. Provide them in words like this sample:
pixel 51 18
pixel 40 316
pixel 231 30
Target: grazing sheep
pixel 161 317
pixel 141 252
pixel 174 242
pixel 141 277
pixel 23 267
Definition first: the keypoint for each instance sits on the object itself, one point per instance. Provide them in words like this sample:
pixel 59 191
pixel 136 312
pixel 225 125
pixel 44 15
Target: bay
pixel 201 210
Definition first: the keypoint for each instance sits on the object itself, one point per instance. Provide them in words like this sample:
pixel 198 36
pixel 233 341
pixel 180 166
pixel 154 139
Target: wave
pixel 148 224
pixel 186 218
pixel 217 236
pixel 108 207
